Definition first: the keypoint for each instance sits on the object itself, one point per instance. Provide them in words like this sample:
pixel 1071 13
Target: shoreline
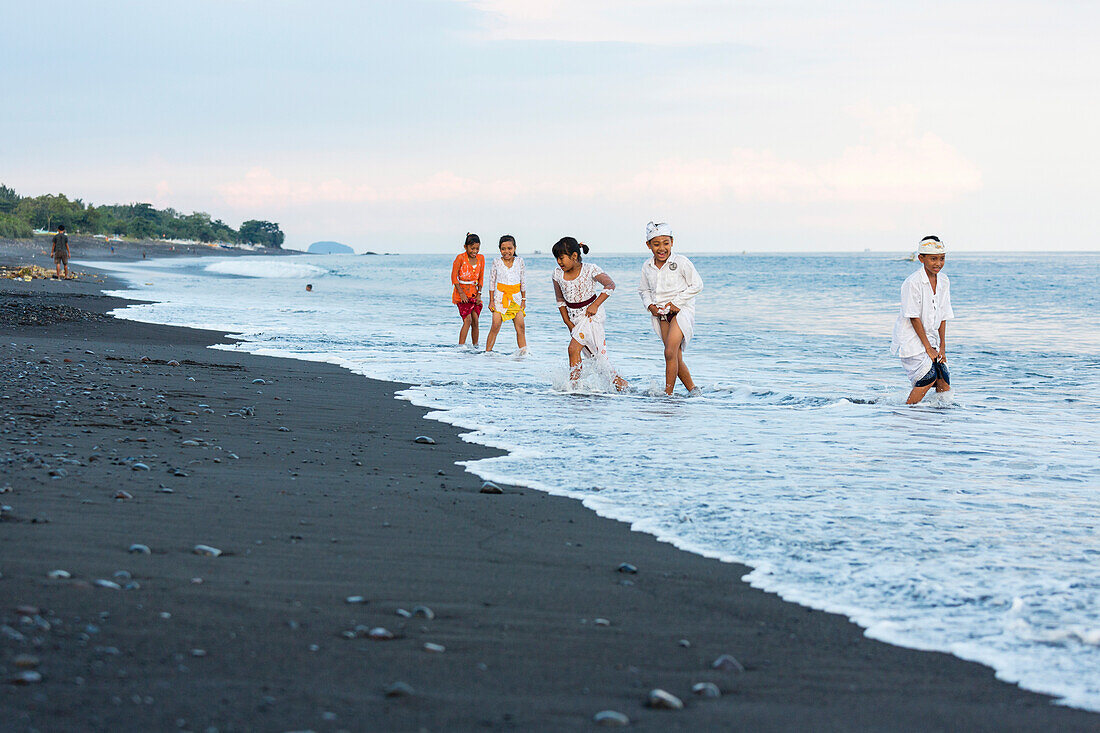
pixel 404 536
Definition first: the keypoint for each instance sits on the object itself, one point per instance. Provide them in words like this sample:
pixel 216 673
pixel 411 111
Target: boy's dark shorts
pixel 938 371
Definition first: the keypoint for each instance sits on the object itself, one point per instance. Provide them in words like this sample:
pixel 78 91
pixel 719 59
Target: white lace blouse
pixel 581 289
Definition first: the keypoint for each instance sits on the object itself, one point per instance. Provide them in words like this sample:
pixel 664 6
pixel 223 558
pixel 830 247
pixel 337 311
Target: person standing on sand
pixel 468 277
pixel 60 251
pixel 920 332
pixel 668 289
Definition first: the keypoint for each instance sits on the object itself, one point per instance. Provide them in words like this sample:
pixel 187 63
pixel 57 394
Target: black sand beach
pixel 311 485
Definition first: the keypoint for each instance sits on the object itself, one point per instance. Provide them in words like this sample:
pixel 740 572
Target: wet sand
pixel 313 488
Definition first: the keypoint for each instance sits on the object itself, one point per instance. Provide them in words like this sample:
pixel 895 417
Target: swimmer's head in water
pixel 309 287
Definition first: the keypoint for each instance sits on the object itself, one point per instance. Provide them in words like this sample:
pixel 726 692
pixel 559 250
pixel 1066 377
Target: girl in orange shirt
pixel 468 276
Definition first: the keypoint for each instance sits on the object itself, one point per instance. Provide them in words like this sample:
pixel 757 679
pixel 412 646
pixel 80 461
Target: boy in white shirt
pixel 668 289
pixel 920 333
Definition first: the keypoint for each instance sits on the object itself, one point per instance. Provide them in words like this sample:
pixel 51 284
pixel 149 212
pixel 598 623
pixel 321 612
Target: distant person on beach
pixel 507 279
pixel 668 289
pixel 575 290
pixel 468 276
pixel 60 251
pixel 920 332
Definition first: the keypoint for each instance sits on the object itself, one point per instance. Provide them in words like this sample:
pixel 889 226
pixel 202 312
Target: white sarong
pixel 589 333
pixel 916 366
pixel 685 318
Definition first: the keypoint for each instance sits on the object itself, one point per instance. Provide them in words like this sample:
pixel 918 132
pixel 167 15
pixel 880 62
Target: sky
pixel 399 125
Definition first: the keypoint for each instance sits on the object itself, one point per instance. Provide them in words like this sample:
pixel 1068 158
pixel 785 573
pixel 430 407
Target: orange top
pixel 467 277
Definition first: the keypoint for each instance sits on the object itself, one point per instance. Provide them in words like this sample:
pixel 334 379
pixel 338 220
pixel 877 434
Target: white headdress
pixel 657 230
pixel 931 246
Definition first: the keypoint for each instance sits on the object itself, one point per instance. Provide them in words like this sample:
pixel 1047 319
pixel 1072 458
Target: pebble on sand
pixel 423 612
pixel 59 575
pixel 434 648
pixel 139 549
pixel 122 494
pixel 398 689
pixel 378 633
pixel 490 488
pixel 102 583
pixel 610 718
pixel 139 467
pixel 206 551
pixel 25 661
pixel 627 568
pixel 259 381
pixel 662 700
pixel 705 689
pixel 425 440
pixel 355 599
pixel 727 663
pixel 27 677
pixel 173 362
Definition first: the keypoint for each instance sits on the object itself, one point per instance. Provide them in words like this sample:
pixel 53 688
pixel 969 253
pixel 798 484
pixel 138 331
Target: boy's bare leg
pixel 673 338
pixel 491 339
pixel 684 374
pixel 575 359
pixel 58 264
pixel 521 330
pixel 942 386
pixel 918 394
pixel 464 330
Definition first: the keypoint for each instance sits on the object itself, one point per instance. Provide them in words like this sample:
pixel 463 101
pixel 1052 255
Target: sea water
pixel 966 524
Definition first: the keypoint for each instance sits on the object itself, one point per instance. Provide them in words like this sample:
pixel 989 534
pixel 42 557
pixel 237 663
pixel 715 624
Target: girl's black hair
pixel 471 238
pixel 506 238
pixel 569 246
pixel 931 236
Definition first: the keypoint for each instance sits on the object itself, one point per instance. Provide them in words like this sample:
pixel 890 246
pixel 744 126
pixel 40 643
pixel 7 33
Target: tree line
pixel 21 215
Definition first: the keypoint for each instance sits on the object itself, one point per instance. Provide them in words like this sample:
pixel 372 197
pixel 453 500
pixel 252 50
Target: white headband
pixel 657 230
pixel 931 247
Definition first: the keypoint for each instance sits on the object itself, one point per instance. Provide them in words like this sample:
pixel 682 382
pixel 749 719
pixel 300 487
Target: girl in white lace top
pixel 579 302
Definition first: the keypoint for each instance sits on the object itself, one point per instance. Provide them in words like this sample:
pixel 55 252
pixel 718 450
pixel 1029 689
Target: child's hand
pixel 654 309
pixel 932 353
pixel 943 357
pixel 671 308
pixel 592 310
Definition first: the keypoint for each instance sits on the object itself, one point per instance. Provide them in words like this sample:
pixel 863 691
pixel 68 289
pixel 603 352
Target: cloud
pixel 259 187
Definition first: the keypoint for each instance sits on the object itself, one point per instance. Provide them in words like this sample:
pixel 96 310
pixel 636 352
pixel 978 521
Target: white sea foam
pixel 264 267
pixel 964 524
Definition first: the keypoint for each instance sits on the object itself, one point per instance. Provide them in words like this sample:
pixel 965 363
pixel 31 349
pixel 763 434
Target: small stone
pixel 173 362
pixel 434 648
pixel 121 494
pixel 602 622
pixel 379 633
pixel 662 700
pixel 726 663
pixel 355 599
pixel 198 652
pixel 423 612
pixel 490 488
pixel 190 442
pixel 122 575
pixel 284 430
pixel 28 610
pixel 403 613
pixel 685 643
pixel 139 467
pixel 398 689
pixel 259 381
pixel 206 551
pixel 425 440
pixel 59 575
pixel 28 677
pixel 178 472
pixel 139 549
pixel 25 661
pixel 165 490
pixel 705 689
pixel 110 584
pixel 627 568
pixel 610 718
pixel 145 359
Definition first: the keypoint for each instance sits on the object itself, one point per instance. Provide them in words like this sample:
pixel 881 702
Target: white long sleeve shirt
pixel 918 301
pixel 677 282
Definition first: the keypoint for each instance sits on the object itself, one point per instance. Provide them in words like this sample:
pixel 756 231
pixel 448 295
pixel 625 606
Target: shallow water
pixel 966 524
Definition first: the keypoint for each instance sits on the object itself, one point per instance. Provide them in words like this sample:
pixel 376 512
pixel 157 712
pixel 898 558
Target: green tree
pixel 266 233
pixel 9 199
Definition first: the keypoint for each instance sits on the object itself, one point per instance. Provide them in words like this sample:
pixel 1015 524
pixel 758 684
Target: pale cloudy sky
pixel 399 125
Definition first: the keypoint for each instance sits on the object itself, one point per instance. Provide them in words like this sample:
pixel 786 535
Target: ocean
pixel 967 524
